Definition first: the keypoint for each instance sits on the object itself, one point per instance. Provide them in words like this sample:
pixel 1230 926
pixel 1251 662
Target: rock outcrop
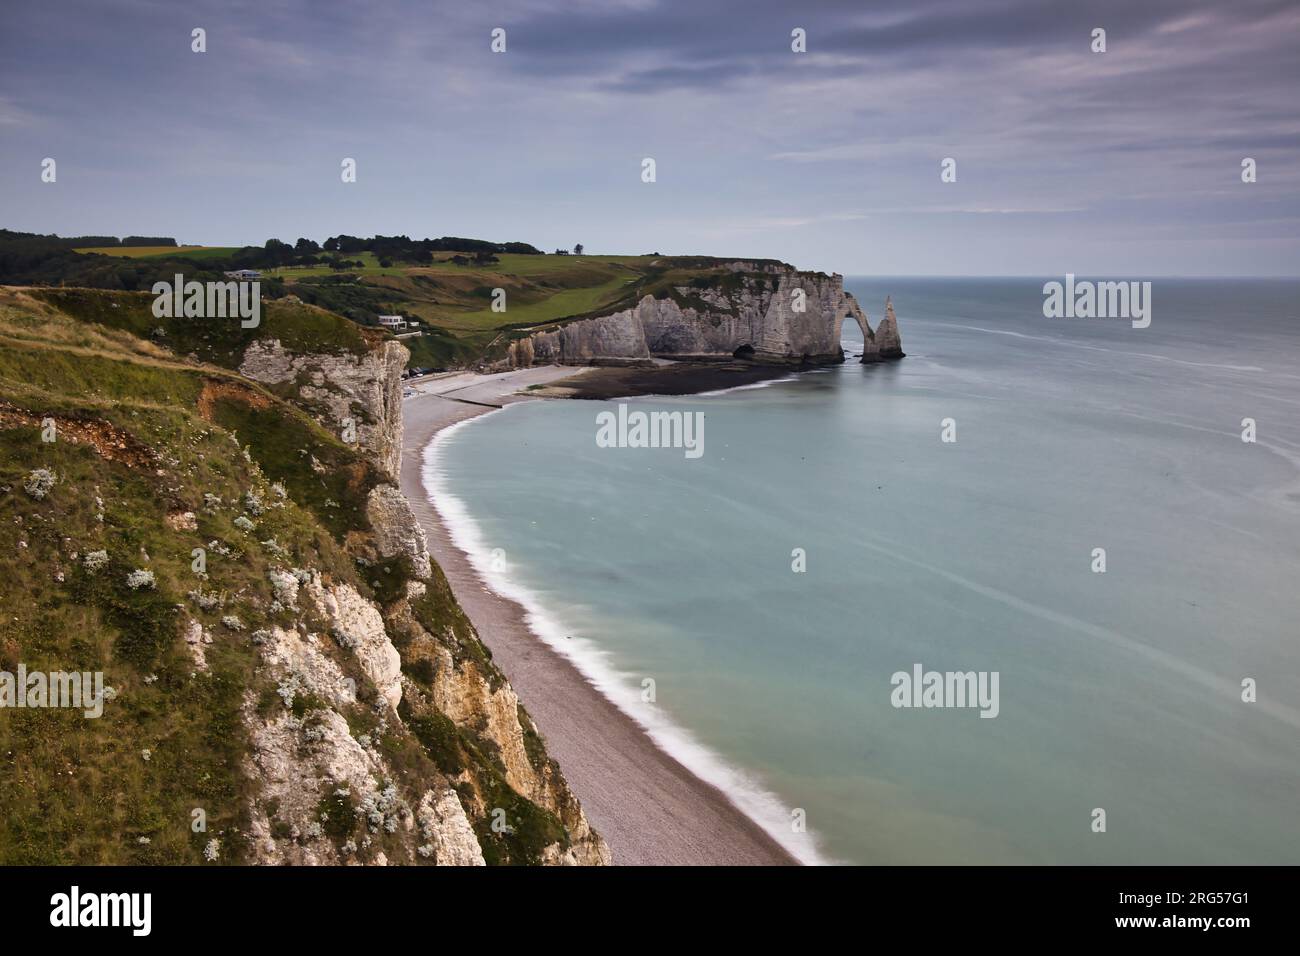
pixel 395 531
pixel 362 389
pixel 775 316
pixel 357 625
pixel 888 342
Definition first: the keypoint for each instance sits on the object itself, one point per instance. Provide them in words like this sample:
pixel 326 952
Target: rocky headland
pixel 769 314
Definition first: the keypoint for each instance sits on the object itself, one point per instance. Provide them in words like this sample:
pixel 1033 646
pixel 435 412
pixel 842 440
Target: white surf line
pixel 1219 685
pixel 743 791
pixel 1099 348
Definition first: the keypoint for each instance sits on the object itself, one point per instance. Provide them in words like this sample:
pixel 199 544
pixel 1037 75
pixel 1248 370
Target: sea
pixel 1105 517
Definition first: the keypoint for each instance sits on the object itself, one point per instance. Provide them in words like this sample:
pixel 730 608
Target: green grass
pixel 542 309
pixel 284 442
pixel 81 790
pixel 161 252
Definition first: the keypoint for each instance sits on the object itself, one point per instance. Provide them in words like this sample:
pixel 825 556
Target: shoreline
pixel 680 378
pixel 649 807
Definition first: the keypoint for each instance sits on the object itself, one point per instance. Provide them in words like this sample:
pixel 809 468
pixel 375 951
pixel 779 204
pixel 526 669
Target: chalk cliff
pixel 773 316
pixel 432 677
pixel 364 388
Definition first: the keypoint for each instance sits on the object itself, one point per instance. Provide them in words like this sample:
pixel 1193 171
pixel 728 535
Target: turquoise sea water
pixel 1119 691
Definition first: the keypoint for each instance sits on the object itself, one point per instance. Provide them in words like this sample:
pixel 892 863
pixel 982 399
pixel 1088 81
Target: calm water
pixel 1119 690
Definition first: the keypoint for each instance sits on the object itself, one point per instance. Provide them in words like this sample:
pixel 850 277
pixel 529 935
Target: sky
pixel 1125 163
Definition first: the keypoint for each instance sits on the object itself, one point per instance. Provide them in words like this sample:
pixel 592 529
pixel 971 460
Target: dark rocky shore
pixel 681 378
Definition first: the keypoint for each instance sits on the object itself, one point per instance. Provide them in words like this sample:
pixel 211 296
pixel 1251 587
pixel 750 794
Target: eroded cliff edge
pixel 762 313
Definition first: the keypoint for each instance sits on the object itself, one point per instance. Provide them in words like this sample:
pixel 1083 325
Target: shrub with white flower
pixel 39 483
pixel 212 851
pixel 244 523
pixel 206 600
pixel 94 561
pixel 380 809
pixel 232 622
pixel 284 585
pixel 345 640
pixel 273 547
pixel 138 579
pixel 288 688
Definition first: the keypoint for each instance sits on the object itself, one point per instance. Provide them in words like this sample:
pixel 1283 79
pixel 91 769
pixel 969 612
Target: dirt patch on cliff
pixel 110 442
pixel 214 390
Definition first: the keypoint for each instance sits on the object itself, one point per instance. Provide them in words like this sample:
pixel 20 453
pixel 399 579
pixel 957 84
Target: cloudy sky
pixel 1125 163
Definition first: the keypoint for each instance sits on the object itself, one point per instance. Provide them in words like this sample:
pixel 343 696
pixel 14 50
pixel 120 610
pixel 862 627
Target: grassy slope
pixel 83 790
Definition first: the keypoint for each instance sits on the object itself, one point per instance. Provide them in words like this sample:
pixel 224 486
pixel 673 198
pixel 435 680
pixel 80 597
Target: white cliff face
pixel 782 317
pixel 449 838
pixel 301 661
pixel 395 530
pixel 308 762
pixel 365 389
pixel 304 753
pixel 357 626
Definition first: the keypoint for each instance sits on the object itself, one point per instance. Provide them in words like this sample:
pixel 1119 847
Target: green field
pixel 160 252
pixel 540 311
